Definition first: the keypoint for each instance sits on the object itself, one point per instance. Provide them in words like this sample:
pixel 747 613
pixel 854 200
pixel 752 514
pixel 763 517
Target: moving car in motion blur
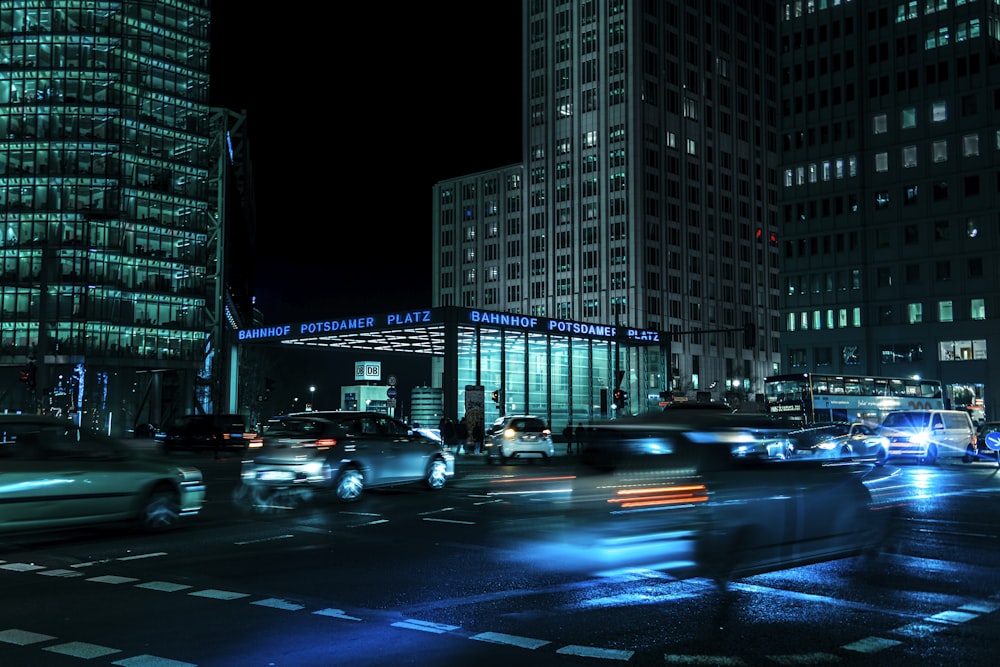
pixel 987 445
pixel 214 433
pixel 750 435
pixel 665 495
pixel 518 437
pixel 56 475
pixel 855 441
pixel 343 453
pixel 926 434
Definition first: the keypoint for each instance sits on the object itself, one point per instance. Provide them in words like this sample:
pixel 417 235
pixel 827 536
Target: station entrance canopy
pixel 560 369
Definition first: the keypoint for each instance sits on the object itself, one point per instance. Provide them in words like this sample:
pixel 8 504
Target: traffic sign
pixel 392 380
pixel 391 392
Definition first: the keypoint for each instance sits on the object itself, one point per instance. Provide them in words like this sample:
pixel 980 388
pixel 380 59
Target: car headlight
pixel 921 438
pixel 826 444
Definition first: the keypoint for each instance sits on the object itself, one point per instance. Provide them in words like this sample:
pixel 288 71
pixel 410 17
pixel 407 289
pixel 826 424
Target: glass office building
pixel 113 211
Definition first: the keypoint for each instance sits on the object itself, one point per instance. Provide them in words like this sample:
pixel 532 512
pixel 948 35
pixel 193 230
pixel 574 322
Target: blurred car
pixel 217 432
pixel 750 435
pixel 987 445
pixel 926 434
pixel 56 475
pixel 343 453
pixel 518 437
pixel 859 442
pixel 648 494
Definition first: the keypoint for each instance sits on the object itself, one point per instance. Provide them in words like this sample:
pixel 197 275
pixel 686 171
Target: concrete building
pixel 119 191
pixel 889 234
pixel 647 200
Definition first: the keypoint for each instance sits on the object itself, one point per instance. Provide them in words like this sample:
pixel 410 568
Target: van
pixel 927 434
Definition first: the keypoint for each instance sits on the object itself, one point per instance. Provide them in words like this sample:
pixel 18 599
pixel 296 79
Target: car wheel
pixel 881 457
pixel 161 510
pixel 931 457
pixel 350 485
pixel 436 474
pixel 970 454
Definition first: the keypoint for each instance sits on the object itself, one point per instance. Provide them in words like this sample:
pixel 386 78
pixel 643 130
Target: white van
pixel 927 434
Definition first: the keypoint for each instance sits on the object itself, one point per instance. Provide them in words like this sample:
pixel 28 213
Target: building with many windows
pixel 647 200
pixel 890 138
pixel 118 188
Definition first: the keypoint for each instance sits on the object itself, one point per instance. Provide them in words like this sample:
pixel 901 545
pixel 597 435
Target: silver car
pixel 344 453
pixel 518 437
pixel 859 442
pixel 54 474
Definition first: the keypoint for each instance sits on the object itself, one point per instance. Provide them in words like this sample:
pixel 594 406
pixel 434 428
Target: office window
pixel 939 111
pixel 914 313
pixel 880 124
pixel 909 156
pixel 939 150
pixel 908 118
pixel 881 162
pixel 978 309
pixel 970 145
pixel 945 311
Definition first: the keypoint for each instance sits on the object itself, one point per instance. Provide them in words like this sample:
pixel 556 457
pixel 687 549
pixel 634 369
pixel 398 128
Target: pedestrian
pixel 579 438
pixel 462 434
pixel 478 435
pixel 448 432
pixel 568 434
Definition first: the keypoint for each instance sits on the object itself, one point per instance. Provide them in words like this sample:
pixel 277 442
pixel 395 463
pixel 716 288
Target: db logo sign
pixel 368 370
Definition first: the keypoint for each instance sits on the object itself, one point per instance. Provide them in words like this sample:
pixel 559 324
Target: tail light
pixel 326 443
pixel 663 495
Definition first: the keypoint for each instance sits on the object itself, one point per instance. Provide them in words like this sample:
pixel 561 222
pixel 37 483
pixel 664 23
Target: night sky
pixel 354 114
pixel 352 119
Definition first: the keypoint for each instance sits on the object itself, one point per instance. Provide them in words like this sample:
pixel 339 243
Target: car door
pixel 403 453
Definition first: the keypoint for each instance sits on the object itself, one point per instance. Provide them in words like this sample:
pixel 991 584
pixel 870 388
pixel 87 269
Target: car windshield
pixel 905 420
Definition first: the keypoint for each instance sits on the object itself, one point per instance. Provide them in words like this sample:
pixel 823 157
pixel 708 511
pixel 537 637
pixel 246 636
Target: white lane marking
pixel 721 660
pixel 264 539
pixel 165 586
pixel 368 523
pixel 952 617
pixel 467 523
pixel 154 554
pixel 82 650
pixel 980 607
pixel 23 637
pixel 216 594
pixel 151 661
pixel 425 626
pixel 277 603
pixel 21 567
pixel 511 640
pixel 870 645
pixel 112 579
pixel 918 629
pixel 60 573
pixel 443 509
pixel 336 613
pixel 594 652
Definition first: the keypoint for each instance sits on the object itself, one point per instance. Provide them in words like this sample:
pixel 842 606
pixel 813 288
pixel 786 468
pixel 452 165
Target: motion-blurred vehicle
pixel 750 435
pixel 56 475
pixel 221 432
pixel 518 437
pixel 926 434
pixel 342 453
pixel 987 445
pixel 856 441
pixel 648 494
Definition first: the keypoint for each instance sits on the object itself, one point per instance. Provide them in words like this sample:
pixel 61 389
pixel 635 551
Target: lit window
pixel 939 111
pixel 915 313
pixel 692 147
pixel 970 145
pixel 908 119
pixel 880 124
pixel 909 156
pixel 978 309
pixel 881 162
pixel 939 150
pixel 945 311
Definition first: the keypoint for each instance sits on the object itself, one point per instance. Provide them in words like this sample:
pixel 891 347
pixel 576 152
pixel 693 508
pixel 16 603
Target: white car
pixel 860 442
pixel 518 437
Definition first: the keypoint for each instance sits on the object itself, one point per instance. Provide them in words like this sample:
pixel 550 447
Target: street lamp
pixel 312 397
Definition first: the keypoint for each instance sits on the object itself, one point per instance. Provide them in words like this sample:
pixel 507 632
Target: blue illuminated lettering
pixel 409 318
pixel 330 326
pixel 264 332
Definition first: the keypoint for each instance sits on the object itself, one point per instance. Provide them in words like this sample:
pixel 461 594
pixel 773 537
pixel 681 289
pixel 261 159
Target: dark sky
pixel 353 119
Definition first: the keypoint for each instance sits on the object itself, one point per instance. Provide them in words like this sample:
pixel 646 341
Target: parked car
pixel 343 453
pixel 657 494
pixel 926 434
pixel 217 432
pixel 856 441
pixel 56 475
pixel 987 445
pixel 518 437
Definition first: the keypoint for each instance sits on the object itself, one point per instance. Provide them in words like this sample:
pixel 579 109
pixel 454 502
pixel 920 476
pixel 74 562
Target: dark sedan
pixel 343 453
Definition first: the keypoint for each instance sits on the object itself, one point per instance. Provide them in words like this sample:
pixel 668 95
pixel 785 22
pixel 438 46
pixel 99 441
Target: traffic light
pixel 496 395
pixel 27 375
pixel 620 397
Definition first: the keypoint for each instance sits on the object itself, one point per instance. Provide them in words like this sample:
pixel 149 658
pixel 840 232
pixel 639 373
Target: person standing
pixel 568 434
pixel 579 438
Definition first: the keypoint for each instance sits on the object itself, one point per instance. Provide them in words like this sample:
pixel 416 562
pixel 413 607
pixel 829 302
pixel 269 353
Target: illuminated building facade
pixel 890 241
pixel 647 199
pixel 117 187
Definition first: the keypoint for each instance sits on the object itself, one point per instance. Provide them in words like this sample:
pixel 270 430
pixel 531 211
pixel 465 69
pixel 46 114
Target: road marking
pixel 870 645
pixel 336 613
pixel 277 603
pixel 60 573
pixel 23 637
pixel 81 650
pixel 425 626
pixel 681 659
pixel 263 539
pixel 112 579
pixel 467 523
pixel 216 594
pixel 165 586
pixel 21 567
pixel 818 658
pixel 510 640
pixel 151 661
pixel 155 554
pixel 594 652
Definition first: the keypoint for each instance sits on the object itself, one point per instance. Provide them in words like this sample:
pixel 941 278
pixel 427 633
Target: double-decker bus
pixel 818 398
